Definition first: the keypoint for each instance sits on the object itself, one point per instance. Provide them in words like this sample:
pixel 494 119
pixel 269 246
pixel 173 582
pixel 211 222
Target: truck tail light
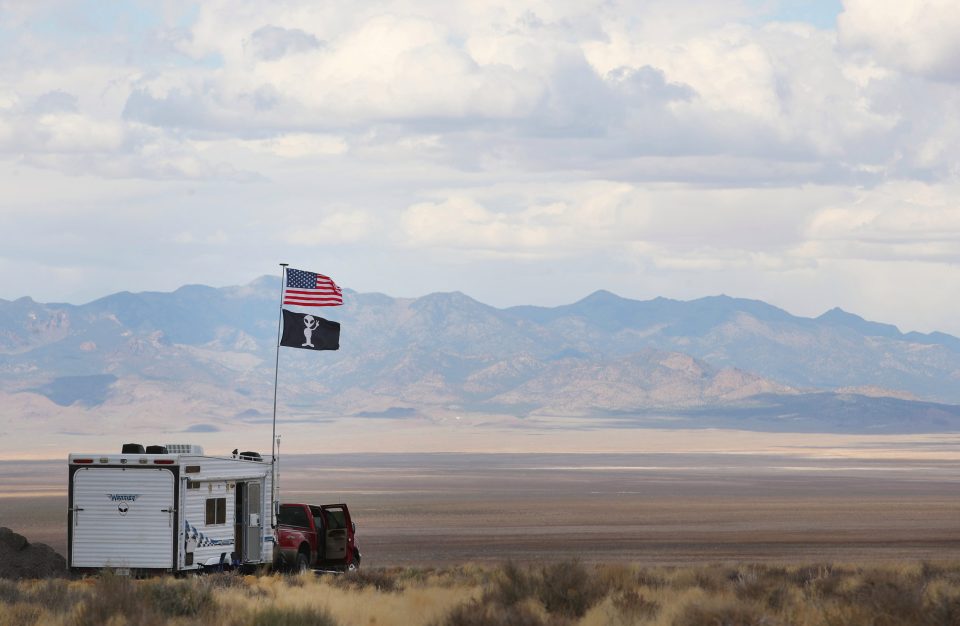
pixel 83 461
pixel 163 462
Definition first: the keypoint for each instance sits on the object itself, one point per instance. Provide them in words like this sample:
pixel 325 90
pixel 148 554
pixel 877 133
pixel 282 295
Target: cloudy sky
pixel 806 153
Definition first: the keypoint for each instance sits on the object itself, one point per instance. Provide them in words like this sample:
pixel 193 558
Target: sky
pixel 523 152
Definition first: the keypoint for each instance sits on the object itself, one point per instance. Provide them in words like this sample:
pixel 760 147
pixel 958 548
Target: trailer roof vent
pixel 132 448
pixel 156 449
pixel 184 448
pixel 251 456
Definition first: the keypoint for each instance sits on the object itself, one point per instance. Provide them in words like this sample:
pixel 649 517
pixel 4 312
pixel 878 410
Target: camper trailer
pixel 169 509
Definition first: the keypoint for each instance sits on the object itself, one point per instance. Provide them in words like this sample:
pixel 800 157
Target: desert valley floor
pixel 653 508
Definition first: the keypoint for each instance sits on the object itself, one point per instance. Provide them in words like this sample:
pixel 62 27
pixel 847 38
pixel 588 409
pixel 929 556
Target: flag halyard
pixel 310 289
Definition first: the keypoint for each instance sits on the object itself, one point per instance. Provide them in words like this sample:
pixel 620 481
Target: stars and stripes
pixel 311 289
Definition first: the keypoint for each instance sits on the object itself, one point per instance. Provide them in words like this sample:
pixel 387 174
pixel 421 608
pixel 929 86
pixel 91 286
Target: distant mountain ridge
pixel 706 360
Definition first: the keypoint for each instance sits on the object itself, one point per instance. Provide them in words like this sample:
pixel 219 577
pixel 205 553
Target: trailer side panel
pixel 244 532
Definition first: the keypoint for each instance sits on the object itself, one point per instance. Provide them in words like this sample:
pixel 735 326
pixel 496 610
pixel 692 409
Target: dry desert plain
pixel 819 499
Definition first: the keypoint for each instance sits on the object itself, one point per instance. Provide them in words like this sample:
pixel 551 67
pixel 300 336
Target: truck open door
pixel 318 537
pixel 337 533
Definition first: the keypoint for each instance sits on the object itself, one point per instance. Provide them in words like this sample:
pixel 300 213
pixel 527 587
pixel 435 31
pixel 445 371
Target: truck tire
pixel 302 563
pixel 355 562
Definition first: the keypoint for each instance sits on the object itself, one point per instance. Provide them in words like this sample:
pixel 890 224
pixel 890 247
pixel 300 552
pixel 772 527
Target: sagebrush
pixel 557 594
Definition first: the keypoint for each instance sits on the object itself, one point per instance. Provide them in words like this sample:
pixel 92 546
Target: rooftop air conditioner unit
pixel 184 448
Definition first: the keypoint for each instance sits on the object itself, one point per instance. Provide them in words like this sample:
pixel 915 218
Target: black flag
pixel 302 330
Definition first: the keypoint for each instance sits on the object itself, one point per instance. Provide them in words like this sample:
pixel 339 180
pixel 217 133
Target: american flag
pixel 310 289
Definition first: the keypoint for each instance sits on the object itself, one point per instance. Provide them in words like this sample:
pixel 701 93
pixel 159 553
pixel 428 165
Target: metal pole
pixel 276 504
pixel 276 375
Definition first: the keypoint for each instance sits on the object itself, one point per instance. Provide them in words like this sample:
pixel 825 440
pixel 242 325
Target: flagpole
pixel 276 376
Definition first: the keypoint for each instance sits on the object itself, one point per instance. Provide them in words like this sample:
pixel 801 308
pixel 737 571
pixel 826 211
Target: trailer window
pixel 216 511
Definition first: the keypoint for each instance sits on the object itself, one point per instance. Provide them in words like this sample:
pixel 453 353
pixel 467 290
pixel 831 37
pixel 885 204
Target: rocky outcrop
pixel 21 559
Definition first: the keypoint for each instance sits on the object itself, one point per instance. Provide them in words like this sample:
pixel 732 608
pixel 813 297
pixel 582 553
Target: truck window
pixel 293 516
pixel 337 518
pixel 317 514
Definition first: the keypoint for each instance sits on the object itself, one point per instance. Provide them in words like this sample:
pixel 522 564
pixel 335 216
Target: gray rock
pixel 11 541
pixel 21 559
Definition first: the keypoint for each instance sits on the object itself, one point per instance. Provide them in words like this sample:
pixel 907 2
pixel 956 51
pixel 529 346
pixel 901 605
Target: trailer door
pixel 253 534
pixel 123 517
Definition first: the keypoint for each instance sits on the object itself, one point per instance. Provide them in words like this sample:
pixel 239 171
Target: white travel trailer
pixel 169 508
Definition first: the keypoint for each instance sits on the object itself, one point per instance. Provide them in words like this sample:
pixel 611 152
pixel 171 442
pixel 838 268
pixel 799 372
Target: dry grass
pixel 564 594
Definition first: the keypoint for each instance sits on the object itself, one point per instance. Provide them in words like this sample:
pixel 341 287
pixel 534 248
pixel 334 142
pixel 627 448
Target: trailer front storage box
pixel 172 510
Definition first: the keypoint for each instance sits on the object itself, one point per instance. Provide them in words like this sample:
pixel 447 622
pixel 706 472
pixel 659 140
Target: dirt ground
pixel 671 508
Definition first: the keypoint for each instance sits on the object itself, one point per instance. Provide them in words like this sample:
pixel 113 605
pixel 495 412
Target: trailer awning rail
pixel 217 479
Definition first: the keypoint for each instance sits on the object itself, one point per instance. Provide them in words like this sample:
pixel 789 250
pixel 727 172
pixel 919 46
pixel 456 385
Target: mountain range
pixel 205 356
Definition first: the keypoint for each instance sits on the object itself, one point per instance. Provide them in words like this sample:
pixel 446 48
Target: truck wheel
pixel 302 564
pixel 355 563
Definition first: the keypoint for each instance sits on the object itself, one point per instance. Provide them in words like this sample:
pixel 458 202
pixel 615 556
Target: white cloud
pixel 299 145
pixel 339 227
pixel 51 123
pixel 274 42
pixel 216 238
pixel 915 36
pixel 547 223
pixel 573 218
pixel 70 132
pixel 711 260
pixel 542 84
pixel 912 222
pixel 463 223
pixel 674 147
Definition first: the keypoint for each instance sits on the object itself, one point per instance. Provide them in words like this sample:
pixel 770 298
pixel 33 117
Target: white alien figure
pixel 311 323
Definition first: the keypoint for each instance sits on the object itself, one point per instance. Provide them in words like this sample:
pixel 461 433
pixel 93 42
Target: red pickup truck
pixel 316 537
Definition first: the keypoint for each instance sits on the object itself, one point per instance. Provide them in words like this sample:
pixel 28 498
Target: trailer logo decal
pixel 124 500
pixel 117 497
